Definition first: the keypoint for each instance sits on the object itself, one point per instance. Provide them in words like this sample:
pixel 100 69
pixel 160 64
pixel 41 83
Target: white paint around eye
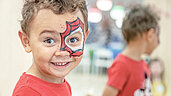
pixel 82 40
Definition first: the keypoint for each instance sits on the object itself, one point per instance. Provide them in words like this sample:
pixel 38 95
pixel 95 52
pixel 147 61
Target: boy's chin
pixel 148 52
pixel 62 74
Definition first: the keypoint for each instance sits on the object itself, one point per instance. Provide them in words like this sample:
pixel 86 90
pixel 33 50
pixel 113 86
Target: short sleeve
pixel 26 91
pixel 117 75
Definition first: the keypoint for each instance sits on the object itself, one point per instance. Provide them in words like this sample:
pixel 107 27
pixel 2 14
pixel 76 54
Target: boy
pixel 128 74
pixel 55 32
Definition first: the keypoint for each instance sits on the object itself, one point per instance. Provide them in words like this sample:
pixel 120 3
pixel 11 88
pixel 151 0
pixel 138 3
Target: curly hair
pixel 139 20
pixel 32 7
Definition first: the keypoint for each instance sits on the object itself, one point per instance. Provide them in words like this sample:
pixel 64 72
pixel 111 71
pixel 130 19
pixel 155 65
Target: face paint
pixel 72 40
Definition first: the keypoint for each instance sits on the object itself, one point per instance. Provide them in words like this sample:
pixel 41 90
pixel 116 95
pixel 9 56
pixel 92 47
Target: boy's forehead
pixel 46 19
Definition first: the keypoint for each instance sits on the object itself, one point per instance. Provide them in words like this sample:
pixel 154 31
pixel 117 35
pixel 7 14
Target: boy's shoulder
pixel 125 62
pixel 29 84
pixel 119 62
pixel 25 91
pixel 121 59
pixel 23 87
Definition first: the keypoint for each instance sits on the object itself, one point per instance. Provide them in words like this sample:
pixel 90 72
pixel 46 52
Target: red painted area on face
pixel 71 26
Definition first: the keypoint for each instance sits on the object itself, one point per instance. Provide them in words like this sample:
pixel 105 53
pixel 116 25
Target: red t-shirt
pixel 29 85
pixel 129 77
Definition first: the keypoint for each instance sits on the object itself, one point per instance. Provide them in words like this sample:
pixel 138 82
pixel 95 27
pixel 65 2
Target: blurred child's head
pixel 55 32
pixel 141 22
pixel 157 68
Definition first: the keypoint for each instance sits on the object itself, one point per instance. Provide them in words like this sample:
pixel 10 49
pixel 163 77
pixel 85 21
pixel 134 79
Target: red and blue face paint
pixel 72 40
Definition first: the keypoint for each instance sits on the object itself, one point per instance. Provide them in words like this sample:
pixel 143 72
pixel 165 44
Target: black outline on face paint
pixel 71 27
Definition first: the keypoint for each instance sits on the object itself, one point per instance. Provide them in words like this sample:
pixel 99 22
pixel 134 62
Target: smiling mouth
pixel 60 63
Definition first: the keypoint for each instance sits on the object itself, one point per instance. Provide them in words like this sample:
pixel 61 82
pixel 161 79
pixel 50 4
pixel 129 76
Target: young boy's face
pixel 154 41
pixel 56 42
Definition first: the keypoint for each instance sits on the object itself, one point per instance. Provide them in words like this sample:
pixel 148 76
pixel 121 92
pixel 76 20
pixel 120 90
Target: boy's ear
pixel 86 35
pixel 150 35
pixel 25 41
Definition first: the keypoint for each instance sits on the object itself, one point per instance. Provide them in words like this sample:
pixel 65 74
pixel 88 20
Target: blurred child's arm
pixel 110 91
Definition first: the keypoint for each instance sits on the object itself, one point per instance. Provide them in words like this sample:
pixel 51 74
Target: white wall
pixel 13 59
pixel 164 49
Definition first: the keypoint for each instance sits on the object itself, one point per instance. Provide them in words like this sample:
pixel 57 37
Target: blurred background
pixel 104 43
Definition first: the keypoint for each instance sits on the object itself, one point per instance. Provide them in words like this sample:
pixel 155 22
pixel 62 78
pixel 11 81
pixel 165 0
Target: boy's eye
pixel 49 40
pixel 73 40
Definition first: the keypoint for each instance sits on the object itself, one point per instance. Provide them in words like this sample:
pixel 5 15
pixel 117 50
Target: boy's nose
pixel 62 53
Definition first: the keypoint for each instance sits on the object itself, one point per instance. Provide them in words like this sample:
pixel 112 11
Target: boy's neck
pixel 134 50
pixel 33 71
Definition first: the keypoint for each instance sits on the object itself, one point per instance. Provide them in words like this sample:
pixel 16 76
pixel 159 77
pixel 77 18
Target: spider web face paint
pixel 72 40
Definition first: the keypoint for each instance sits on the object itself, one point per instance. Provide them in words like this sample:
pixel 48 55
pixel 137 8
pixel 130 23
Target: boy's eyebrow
pixel 47 31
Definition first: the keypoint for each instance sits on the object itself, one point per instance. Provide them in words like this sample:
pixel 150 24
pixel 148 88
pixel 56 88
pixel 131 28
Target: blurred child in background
pixel 128 75
pixel 157 77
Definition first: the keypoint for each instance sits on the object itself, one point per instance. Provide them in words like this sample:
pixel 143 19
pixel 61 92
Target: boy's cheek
pixel 78 57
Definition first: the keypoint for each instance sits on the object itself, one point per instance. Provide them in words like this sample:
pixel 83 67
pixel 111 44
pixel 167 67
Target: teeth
pixel 60 63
